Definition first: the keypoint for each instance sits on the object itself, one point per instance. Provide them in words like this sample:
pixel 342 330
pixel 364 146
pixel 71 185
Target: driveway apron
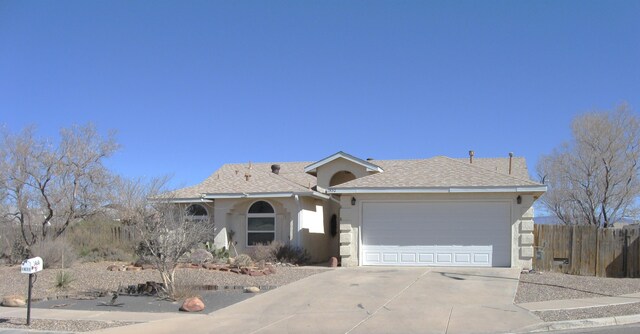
pixel 370 300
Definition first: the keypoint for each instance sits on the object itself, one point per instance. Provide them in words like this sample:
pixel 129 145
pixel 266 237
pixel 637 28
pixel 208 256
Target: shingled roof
pixel 439 172
pixel 253 178
pixel 257 178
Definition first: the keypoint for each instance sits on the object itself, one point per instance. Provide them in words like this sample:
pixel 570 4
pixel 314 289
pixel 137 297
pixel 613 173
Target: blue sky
pixel 190 85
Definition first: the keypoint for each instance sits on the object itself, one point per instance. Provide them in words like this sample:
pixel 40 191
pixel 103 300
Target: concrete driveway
pixel 370 300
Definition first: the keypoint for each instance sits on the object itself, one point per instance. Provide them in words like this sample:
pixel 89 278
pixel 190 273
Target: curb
pixel 584 323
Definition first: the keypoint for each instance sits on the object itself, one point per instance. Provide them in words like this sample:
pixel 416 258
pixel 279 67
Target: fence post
pixel 625 255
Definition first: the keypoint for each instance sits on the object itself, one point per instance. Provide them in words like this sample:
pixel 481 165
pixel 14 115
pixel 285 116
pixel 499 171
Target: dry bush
pixel 292 254
pixel 243 261
pixel 184 291
pixel 12 248
pixel 57 253
pixel 265 252
pixel 102 241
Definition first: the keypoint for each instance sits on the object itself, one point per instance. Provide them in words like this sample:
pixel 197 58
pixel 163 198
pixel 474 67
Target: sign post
pixel 31 266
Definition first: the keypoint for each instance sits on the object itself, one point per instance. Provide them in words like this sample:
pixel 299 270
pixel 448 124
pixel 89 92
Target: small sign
pixel 31 266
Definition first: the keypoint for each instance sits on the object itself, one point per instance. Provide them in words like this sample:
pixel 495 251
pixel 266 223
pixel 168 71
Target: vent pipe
pixel 471 153
pixel 510 161
pixel 369 159
pixel 275 169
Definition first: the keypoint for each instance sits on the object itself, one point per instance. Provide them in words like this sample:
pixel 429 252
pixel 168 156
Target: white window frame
pixel 260 215
pixel 194 218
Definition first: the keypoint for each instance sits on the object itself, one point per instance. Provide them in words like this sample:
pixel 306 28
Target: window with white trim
pixel 197 213
pixel 261 224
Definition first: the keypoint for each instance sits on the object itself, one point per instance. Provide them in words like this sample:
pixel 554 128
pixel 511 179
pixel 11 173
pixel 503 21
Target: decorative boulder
pixel 14 301
pixel 333 262
pixel 252 289
pixel 192 304
pixel 200 256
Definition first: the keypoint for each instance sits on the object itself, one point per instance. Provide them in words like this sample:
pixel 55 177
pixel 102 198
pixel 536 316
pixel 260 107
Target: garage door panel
pixel 428 255
pixel 472 233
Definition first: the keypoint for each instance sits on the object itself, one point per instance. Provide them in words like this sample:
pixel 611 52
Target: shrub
pixel 55 253
pixel 243 261
pixel 19 252
pixel 292 254
pixel 181 291
pixel 102 240
pixel 265 252
pixel 64 279
pixel 105 254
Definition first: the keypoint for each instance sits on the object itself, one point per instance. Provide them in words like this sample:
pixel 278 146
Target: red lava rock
pixel 193 304
pixel 333 262
pixel 256 273
pixel 245 271
pixel 234 270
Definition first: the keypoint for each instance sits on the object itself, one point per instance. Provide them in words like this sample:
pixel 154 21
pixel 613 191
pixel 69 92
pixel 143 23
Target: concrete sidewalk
pixel 581 303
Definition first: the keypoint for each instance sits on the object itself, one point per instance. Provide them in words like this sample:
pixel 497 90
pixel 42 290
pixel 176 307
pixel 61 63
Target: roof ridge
pixel 491 171
pixel 271 174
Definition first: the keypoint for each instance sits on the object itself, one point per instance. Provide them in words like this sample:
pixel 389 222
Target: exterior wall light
pixel 353 201
pixel 519 199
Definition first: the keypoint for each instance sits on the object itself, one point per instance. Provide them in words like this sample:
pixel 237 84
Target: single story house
pixel 439 211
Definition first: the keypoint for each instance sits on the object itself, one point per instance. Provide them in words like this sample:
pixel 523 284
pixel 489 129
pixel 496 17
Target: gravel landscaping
pixel 591 312
pixel 90 277
pixel 534 287
pixel 60 325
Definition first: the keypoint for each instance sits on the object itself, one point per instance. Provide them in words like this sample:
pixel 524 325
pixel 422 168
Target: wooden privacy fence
pixel 587 250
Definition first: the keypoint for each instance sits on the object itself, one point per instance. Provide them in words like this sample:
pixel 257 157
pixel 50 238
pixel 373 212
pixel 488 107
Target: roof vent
pixel 471 153
pixel 510 159
pixel 247 176
pixel 369 159
pixel 275 169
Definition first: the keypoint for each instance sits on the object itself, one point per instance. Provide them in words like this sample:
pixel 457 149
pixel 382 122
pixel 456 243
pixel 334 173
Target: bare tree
pixel 46 187
pixel 594 179
pixel 164 226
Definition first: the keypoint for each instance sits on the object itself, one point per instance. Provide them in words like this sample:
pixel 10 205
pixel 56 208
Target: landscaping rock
pixel 133 268
pixel 252 289
pixel 115 267
pixel 256 273
pixel 211 266
pixel 193 304
pixel 200 256
pixel 333 262
pixel 271 269
pixel 14 301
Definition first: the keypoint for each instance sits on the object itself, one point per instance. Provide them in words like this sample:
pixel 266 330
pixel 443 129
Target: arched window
pixel 261 224
pixel 197 213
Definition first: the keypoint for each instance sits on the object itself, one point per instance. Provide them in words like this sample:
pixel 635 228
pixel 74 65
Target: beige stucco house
pixel 426 212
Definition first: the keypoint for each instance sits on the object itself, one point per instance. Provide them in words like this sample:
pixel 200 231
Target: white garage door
pixel 456 233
